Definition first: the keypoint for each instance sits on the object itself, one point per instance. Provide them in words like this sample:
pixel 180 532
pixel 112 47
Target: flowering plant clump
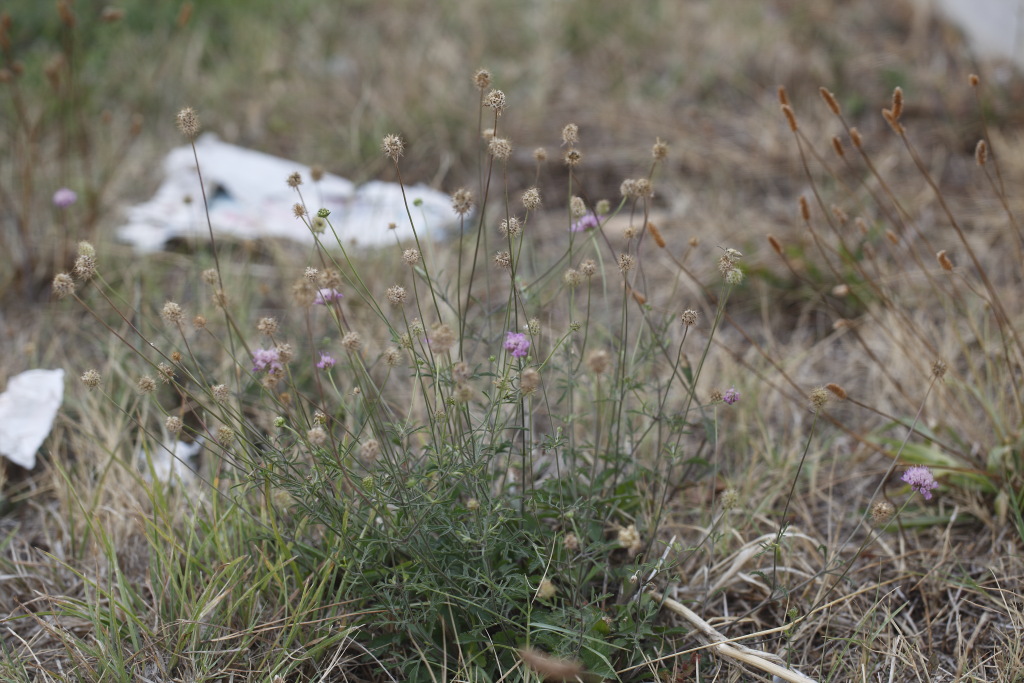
pixel 327 295
pixel 921 480
pixel 518 344
pixel 268 360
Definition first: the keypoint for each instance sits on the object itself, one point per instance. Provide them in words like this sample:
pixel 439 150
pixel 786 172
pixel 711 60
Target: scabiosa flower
pixel 326 361
pixel 327 295
pixel 64 197
pixel 266 359
pixel 731 396
pixel 518 344
pixel 921 480
pixel 586 223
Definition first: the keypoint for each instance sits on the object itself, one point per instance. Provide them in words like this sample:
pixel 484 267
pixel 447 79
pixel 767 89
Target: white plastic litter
pixel 249 198
pixel 27 410
pixel 172 461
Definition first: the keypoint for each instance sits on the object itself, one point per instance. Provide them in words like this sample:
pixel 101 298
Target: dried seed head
pixel 628 188
pixel 220 299
pixel 173 424
pixel 602 207
pixel 783 97
pixel 188 123
pixel 220 392
pixel 500 148
pixel 588 268
pixel 855 138
pixel 572 277
pixel 397 295
pixel 63 285
pixel 981 153
pixel 209 276
pixel 840 215
pixel 482 79
pixel 893 122
pixel 392 146
pixel 510 227
pixel 644 188
pixel 85 266
pixel 172 314
pixel 630 232
pixel 577 207
pixel 573 157
pixel 496 101
pixel 570 134
pixel 86 249
pixel 317 436
pixel 311 274
pixel 659 150
pixel 689 317
pixel 775 244
pixel 533 326
pixel 540 155
pixel 304 292
pixel 298 210
pixel 462 201
pixel 225 435
pixel 503 260
pixel 531 199
pixel 830 100
pixel 656 235
pixel 836 390
pixel 294 180
pixel 943 260
pixel 938 369
pixel 973 80
pixel 267 326
pixel 529 380
pixel 892 237
pixel 897 102
pixel 598 361
pixel 370 449
pixel 626 263
pixel 734 276
pixel 199 322
pixel 882 512
pixel 391 356
pixel 837 145
pixel 145 385
pixel 411 257
pixel 805 209
pixel 351 341
pixel 819 398
pixel 545 591
pixel 461 372
pixel 91 379
pixel 316 172
pixel 487 133
pixel 442 338
pixel 790 117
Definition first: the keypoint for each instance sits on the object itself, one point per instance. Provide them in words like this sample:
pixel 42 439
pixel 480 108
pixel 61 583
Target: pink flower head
pixel 326 361
pixel 921 480
pixel 517 344
pixel 266 359
pixel 731 396
pixel 586 223
pixel 327 295
pixel 63 198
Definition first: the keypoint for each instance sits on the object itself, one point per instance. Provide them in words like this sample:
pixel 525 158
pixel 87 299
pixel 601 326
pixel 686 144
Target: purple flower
pixel 63 198
pixel 326 296
pixel 266 359
pixel 586 223
pixel 326 361
pixel 731 396
pixel 517 344
pixel 921 480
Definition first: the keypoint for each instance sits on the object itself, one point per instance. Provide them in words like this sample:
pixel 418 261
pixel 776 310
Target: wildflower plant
pixel 466 463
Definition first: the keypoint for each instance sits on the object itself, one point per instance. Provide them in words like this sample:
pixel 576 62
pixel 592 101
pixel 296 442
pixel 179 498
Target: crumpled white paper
pixel 171 461
pixel 249 198
pixel 27 410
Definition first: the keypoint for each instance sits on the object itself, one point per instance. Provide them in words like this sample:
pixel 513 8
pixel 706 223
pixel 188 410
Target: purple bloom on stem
pixel 266 359
pixel 731 396
pixel 326 296
pixel 921 480
pixel 517 344
pixel 63 198
pixel 586 223
pixel 326 361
